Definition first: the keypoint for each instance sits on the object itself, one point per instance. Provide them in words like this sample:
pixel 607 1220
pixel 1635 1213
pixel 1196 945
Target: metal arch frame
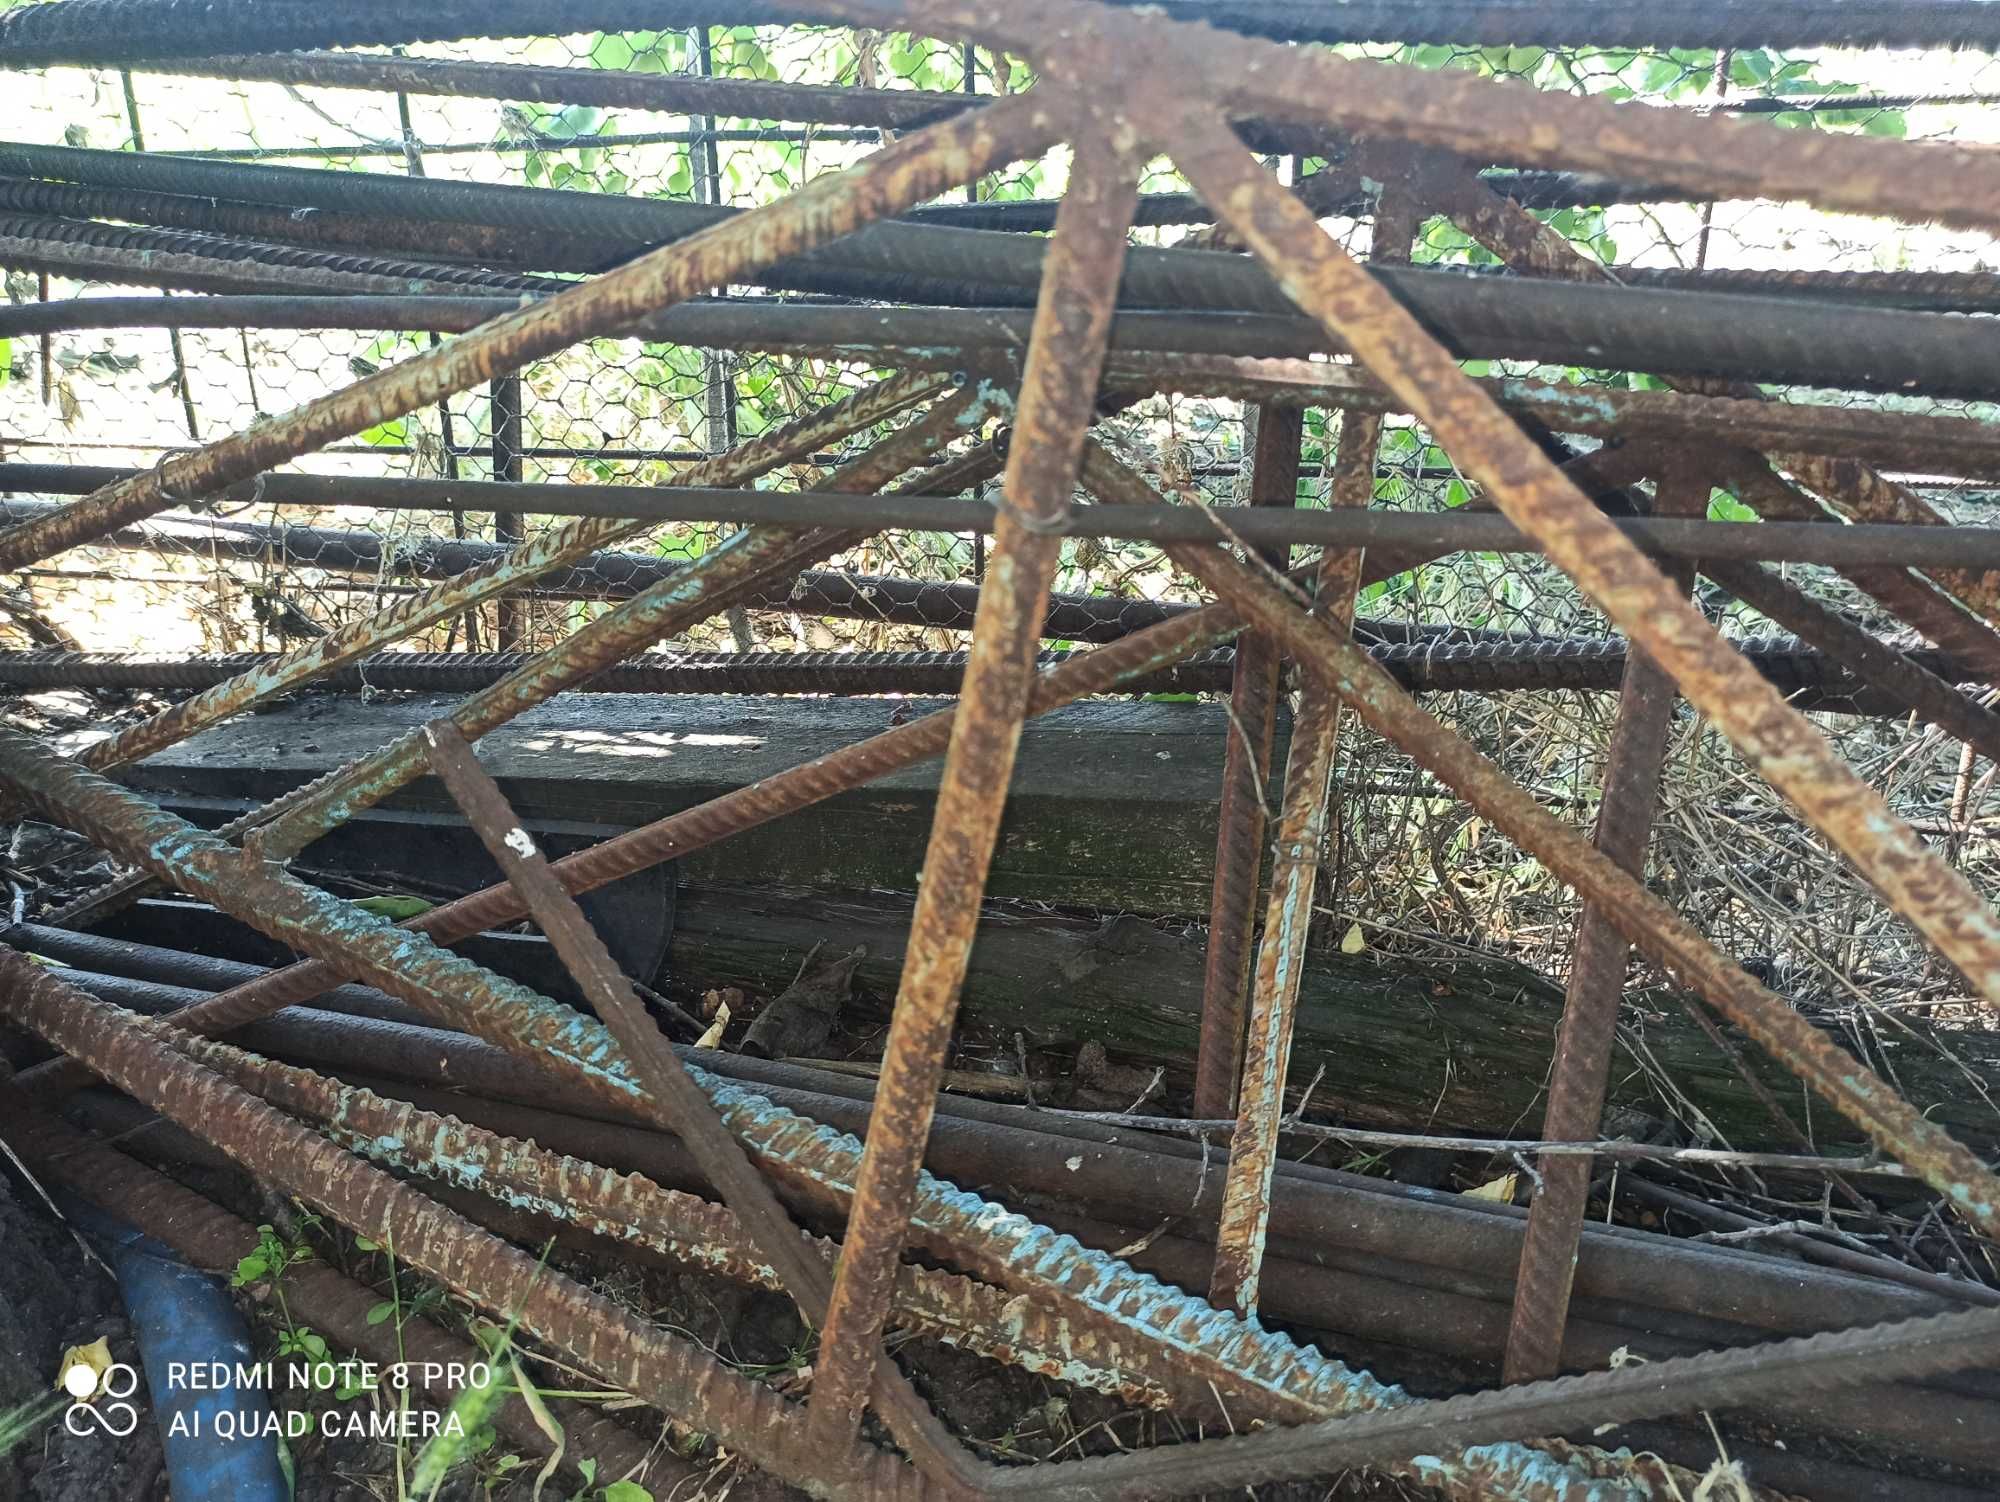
pixel 1115 102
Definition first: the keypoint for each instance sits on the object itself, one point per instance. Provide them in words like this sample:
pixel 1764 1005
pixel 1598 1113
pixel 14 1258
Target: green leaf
pixel 1723 507
pixel 387 434
pixel 394 905
pixel 627 1491
pixel 379 1312
pixel 249 1269
pixel 6 360
pixel 1890 123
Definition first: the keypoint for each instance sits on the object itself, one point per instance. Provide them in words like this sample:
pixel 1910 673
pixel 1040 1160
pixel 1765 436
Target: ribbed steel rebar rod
pixel 1584 1042
pixel 1715 1379
pixel 717 580
pixel 1650 924
pixel 630 1208
pixel 1002 1247
pixel 1058 390
pixel 96 32
pixel 1778 742
pixel 660 1073
pixel 1240 813
pixel 509 568
pixel 909 171
pixel 1304 815
pixel 633 508
pixel 1479 119
pixel 666 1369
pixel 1870 659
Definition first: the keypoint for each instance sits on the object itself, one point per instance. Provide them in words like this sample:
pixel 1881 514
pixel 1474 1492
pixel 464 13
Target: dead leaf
pixel 95 1358
pixel 1353 941
pixel 712 1036
pixel 1501 1189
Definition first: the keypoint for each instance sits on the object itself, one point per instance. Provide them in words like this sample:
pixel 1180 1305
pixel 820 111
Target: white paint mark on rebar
pixel 521 842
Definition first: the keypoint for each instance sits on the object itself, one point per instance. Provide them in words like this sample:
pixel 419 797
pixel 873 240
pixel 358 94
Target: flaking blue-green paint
pixel 1574 398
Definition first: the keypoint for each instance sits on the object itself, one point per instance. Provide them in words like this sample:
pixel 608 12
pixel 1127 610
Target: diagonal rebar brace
pixel 741 565
pixel 1776 740
pixel 1652 927
pixel 555 549
pixel 893 179
pixel 1855 489
pixel 660 1073
pixel 1058 388
pixel 664 1368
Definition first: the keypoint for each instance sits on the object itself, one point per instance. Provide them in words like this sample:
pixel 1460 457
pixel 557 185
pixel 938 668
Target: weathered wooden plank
pixel 1458 1046
pixel 1113 803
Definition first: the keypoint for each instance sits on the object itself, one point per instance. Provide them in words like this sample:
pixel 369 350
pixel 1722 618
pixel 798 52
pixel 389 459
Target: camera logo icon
pixel 100 1399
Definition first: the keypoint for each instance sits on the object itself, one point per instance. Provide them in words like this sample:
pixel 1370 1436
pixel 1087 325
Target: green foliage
pixel 27 1420
pixel 640 51
pixel 395 906
pixel 274 1255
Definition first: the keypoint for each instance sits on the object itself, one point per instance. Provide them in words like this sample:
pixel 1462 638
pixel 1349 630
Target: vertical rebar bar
pixel 505 418
pixel 1240 816
pixel 1589 1028
pixel 1301 833
pixel 1058 388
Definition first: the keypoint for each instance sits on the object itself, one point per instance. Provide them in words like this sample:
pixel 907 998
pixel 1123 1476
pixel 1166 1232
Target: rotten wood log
pixel 1463 1045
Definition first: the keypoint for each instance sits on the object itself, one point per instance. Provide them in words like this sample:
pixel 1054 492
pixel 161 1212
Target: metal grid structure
pixel 726 384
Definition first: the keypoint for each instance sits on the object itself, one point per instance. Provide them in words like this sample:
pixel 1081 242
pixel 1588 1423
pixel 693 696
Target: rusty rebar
pixel 1776 740
pixel 1714 1379
pixel 721 577
pixel 660 1073
pixel 1240 816
pixel 1058 389
pixel 554 549
pixel 1852 487
pixel 1869 658
pixel 1004 1248
pixel 605 1339
pixel 1303 822
pixel 907 172
pixel 1589 1029
pixel 1649 923
pixel 630 1208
